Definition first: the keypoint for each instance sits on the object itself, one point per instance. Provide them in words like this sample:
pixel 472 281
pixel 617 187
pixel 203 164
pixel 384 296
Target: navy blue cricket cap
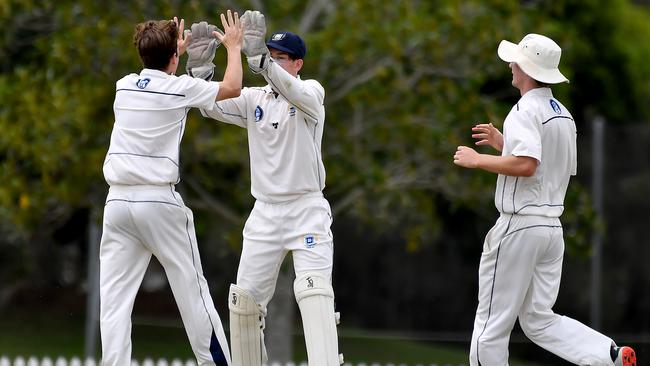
pixel 288 42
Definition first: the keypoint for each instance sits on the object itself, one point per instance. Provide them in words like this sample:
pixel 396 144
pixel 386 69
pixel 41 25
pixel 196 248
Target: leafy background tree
pixel 404 83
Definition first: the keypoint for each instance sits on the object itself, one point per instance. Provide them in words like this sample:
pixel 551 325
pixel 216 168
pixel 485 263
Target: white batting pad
pixel 315 298
pixel 246 328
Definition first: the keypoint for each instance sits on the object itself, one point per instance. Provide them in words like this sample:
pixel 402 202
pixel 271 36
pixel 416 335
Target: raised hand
pixel 487 134
pixel 184 38
pixel 254 33
pixel 201 50
pixel 233 34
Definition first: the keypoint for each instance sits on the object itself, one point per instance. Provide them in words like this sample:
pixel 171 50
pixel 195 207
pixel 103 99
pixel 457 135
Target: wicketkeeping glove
pixel 254 44
pixel 201 51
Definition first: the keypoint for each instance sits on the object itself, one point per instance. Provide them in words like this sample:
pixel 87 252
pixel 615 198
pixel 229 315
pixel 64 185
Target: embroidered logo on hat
pixel 278 36
pixel 288 42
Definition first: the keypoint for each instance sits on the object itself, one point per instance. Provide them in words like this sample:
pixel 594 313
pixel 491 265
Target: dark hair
pixel 156 42
pixel 292 56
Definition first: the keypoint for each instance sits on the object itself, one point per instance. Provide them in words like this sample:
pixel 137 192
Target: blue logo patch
pixel 142 83
pixel 292 111
pixel 259 114
pixel 555 106
pixel 310 241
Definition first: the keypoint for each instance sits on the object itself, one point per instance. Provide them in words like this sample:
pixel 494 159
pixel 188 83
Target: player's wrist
pixel 234 48
pixel 479 161
pixel 258 63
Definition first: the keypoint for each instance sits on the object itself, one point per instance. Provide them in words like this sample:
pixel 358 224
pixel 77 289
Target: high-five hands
pixel 206 38
pixel 201 50
pixel 232 37
pixel 254 46
pixel 184 38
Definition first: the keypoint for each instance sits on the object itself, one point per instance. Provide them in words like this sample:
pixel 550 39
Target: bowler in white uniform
pixel 284 121
pixel 521 264
pixel 144 214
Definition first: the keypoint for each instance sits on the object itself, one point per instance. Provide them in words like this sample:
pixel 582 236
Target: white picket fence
pixel 75 361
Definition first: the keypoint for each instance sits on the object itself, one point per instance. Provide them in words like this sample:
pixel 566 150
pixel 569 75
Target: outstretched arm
pixel 231 85
pixel 305 95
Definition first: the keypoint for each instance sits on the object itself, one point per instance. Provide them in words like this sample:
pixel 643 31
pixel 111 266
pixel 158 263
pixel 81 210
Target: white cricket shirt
pixel 284 121
pixel 150 114
pixel 538 126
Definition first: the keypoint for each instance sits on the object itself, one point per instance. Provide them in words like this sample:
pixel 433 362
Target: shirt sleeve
pixel 231 110
pixel 306 95
pixel 200 93
pixel 523 135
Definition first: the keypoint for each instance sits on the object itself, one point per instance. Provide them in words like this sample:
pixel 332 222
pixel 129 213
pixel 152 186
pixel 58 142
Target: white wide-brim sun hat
pixel 538 56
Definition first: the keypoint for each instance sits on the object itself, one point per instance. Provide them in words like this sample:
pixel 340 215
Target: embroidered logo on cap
pixel 278 37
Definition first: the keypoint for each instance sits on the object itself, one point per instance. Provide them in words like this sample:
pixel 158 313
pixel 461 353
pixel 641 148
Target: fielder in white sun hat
pixel 538 56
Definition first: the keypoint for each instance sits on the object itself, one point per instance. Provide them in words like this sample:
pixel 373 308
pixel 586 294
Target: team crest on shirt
pixel 555 106
pixel 259 114
pixel 310 241
pixel 292 111
pixel 142 83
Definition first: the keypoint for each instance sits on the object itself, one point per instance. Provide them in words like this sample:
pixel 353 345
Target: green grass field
pixel 28 333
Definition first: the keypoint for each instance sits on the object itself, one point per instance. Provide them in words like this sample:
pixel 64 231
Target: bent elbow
pixel 227 92
pixel 529 170
pixel 528 173
pixel 234 92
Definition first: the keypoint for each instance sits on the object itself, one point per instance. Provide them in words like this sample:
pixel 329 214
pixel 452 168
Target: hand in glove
pixel 201 50
pixel 254 46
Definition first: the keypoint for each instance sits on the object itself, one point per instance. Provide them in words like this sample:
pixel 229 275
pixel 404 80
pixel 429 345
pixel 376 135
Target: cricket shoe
pixel 626 356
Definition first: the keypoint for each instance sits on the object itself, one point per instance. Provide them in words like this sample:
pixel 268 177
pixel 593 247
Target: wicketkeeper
pixel 284 121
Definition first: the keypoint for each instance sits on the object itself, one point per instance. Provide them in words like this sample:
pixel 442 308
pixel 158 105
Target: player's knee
pixel 312 284
pixel 246 328
pixel 242 302
pixel 534 324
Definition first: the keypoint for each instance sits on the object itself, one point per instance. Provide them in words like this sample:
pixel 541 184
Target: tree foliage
pixel 404 84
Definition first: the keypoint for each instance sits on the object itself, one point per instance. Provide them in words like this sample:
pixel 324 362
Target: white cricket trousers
pixel 140 221
pixel 301 226
pixel 519 276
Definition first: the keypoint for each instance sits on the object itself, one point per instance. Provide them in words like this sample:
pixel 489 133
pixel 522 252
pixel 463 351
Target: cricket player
pixel 521 264
pixel 284 120
pixel 144 214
